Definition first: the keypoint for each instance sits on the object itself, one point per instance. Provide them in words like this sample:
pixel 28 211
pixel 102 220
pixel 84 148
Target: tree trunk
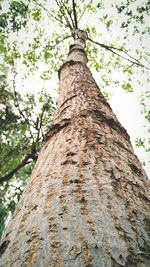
pixel 86 203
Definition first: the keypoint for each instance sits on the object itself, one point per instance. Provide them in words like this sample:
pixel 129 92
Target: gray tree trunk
pixel 86 203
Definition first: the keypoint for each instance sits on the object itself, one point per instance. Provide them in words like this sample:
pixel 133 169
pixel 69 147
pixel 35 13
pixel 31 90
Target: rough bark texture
pixel 86 203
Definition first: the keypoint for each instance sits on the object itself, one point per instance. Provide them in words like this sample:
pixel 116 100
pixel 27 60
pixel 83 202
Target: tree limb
pixel 58 42
pixel 60 5
pixel 69 13
pixel 31 155
pixel 113 50
pixel 16 103
pixel 9 175
pixel 75 14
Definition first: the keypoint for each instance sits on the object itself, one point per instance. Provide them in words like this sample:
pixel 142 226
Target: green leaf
pixel 47 55
pixel 109 23
pixel 127 87
pixel 36 14
pixel 40 99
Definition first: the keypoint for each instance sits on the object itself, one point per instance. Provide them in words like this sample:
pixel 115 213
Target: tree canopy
pixel 34 40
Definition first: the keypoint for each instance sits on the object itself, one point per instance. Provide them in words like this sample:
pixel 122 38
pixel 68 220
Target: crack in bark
pixel 4 246
pixel 56 128
pixel 68 161
pixel 135 169
pixel 63 110
pixel 71 97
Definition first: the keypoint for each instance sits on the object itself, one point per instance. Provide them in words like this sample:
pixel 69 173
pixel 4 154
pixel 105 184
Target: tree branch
pixel 75 14
pixel 62 5
pixel 50 14
pixel 85 8
pixel 32 155
pixel 61 40
pixel 16 103
pixel 69 13
pixel 128 67
pixel 9 175
pixel 114 49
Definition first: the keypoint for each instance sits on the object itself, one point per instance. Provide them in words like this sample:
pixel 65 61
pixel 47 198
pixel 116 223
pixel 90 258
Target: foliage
pixel 145 103
pixel 135 15
pixel 24 121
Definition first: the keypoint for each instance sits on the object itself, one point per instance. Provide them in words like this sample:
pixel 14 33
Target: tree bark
pixel 87 202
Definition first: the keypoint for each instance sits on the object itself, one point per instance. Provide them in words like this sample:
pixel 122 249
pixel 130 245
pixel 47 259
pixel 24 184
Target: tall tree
pixel 86 203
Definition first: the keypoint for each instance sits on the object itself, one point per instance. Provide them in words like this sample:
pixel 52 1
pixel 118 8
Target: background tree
pixel 45 47
pixel 23 127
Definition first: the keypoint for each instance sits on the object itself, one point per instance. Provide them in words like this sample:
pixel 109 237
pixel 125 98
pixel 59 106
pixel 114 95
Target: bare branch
pixel 69 13
pixel 50 14
pixel 39 125
pixel 126 53
pixel 75 14
pixel 10 174
pixel 60 5
pixel 127 57
pixel 58 42
pixel 128 67
pixel 85 8
pixel 16 103
pixel 31 155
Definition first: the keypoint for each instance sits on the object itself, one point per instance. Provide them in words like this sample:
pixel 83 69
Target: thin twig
pixel 85 8
pixel 128 67
pixel 69 13
pixel 111 49
pixel 16 102
pixel 50 14
pixel 58 42
pixel 60 5
pixel 126 53
pixel 39 125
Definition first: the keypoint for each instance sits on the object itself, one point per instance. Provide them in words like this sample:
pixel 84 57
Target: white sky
pixel 126 107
